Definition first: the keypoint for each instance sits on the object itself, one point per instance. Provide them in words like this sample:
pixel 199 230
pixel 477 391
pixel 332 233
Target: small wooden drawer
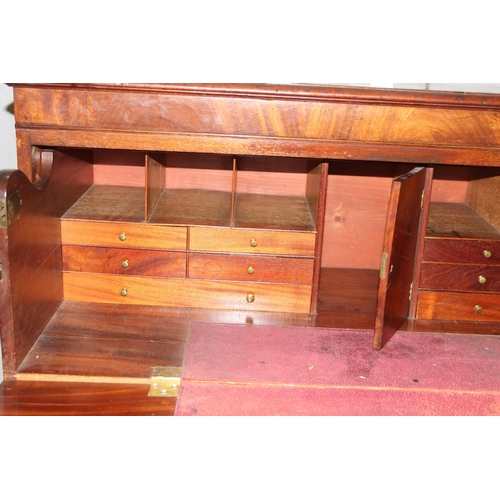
pixel 126 261
pixel 485 252
pixel 458 306
pixel 258 241
pixel 460 277
pixel 171 292
pixel 234 267
pixel 123 234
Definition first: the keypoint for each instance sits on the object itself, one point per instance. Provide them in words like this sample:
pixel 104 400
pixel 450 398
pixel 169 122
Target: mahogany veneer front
pixel 125 261
pixel 250 268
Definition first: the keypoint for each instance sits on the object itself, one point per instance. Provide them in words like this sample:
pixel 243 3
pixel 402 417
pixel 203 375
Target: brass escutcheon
pixel 122 236
pixel 478 309
pixel 253 242
pixel 250 270
pixel 125 263
pixel 482 280
pixel 123 292
pixel 250 297
pixel 487 254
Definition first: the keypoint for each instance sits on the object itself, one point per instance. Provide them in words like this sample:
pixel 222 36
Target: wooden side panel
pixel 155 181
pixel 33 266
pixel 484 195
pixel 399 254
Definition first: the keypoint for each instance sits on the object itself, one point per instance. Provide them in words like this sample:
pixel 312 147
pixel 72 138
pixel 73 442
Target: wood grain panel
pixel 122 323
pixel 298 121
pixel 355 219
pixel 186 293
pixel 458 306
pixel 238 240
pixel 459 277
pixel 461 251
pixel 273 212
pixel 458 220
pixel 193 207
pixel 110 261
pixel 264 269
pixel 110 203
pixel 144 235
pixel 253 116
pixel 80 399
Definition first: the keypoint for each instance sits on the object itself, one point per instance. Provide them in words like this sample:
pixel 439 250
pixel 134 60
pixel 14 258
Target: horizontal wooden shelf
pixel 458 220
pixel 109 203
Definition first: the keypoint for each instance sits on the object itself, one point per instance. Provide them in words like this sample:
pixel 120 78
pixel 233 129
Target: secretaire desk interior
pixel 137 209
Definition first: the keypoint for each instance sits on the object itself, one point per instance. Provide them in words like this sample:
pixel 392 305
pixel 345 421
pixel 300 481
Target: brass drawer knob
pixel 125 263
pixel 478 309
pixel 487 254
pixel 124 292
pixel 482 280
pixel 250 270
pixel 253 242
pixel 122 236
pixel 250 297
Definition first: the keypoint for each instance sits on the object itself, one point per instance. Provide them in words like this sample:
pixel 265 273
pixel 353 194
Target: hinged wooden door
pixel 407 214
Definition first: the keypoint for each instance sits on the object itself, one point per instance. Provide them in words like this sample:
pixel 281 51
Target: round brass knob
pixel 125 263
pixel 253 242
pixel 487 254
pixel 122 236
pixel 123 292
pixel 478 309
pixel 250 270
pixel 482 280
pixel 250 297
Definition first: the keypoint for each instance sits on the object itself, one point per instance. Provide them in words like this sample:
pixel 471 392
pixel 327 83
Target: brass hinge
pixel 9 210
pixel 165 382
pixel 411 291
pixel 422 200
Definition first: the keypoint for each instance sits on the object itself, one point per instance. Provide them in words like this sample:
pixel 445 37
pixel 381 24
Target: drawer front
pixel 123 234
pixel 250 268
pixel 458 306
pixel 126 261
pixel 456 277
pixel 209 294
pixel 485 252
pixel 257 241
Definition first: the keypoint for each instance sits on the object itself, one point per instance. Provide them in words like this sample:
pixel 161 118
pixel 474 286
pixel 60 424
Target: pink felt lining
pixel 261 370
